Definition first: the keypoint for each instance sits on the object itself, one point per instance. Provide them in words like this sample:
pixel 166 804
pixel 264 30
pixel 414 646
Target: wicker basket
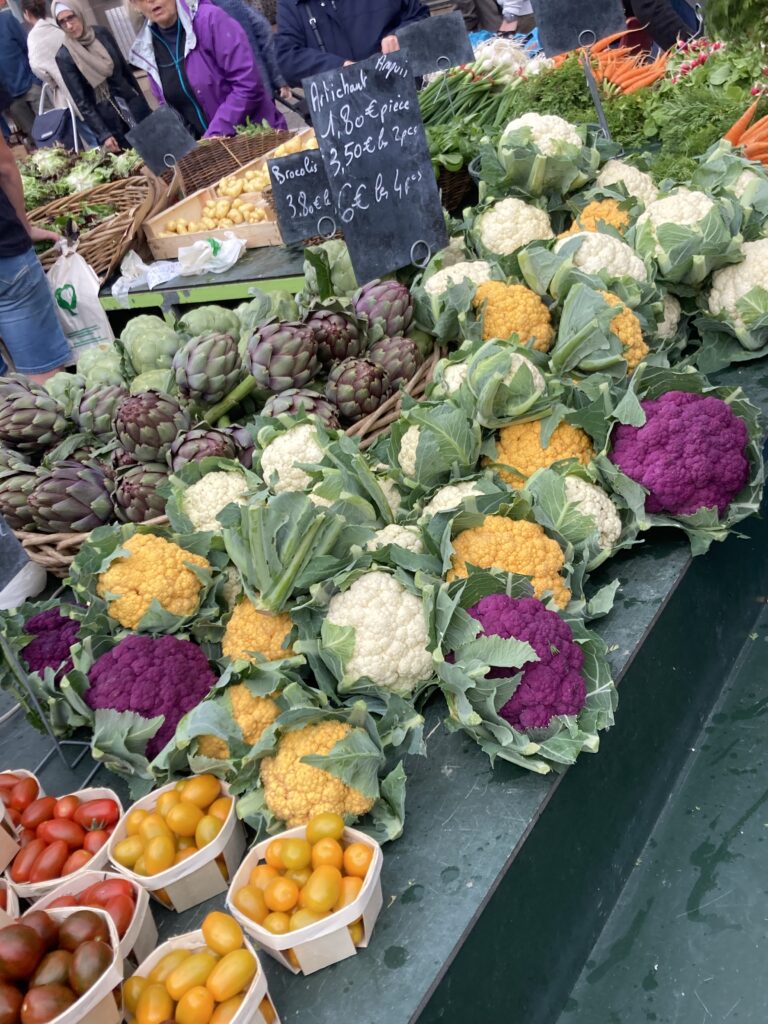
pixel 213 159
pixel 454 186
pixel 103 246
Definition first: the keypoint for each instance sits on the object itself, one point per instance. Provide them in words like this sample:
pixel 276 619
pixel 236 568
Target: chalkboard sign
pixel 564 25
pixel 13 557
pixel 435 44
pixel 302 196
pixel 161 139
pixel 371 137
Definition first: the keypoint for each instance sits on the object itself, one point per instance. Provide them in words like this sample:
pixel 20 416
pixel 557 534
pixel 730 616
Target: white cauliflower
pixel 391 493
pixel 454 375
pixel 745 180
pixel 450 496
pixel 476 271
pixel 548 132
pixel 639 184
pixel 671 318
pixel 407 454
pixel 319 501
pixel 602 252
pixel 734 282
pixel 390 645
pixel 407 537
pixel 510 224
pixel 204 499
pixel 593 502
pixel 681 207
pixel 300 444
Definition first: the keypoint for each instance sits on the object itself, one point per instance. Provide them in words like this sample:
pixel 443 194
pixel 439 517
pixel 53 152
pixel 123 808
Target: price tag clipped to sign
pixel 302 195
pixel 376 157
pixel 434 44
pixel 562 23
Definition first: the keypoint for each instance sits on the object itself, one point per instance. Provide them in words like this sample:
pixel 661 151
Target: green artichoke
pixel 357 387
pixel 282 356
pixel 201 442
pixel 30 419
pixel 400 357
pixel 388 306
pixel 66 388
pixel 154 380
pixel 338 336
pixel 72 497
pixel 294 399
pixel 136 498
pixel 146 425
pixel 96 409
pixel 207 367
pixel 17 478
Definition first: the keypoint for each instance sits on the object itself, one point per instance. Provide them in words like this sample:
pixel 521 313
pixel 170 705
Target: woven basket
pixel 103 246
pixel 214 159
pixel 454 186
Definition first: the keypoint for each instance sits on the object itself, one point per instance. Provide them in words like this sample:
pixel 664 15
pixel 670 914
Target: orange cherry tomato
pixel 300 877
pixel 132 989
pixel 323 889
pixel 154 1005
pixel 220 808
pixel 202 790
pixel 250 901
pixel 186 843
pixel 267 1010
pixel 159 854
pixel 127 851
pixel 281 894
pixel 262 875
pixel 350 890
pixel 302 917
pixel 357 859
pixel 231 975
pixel 168 964
pixel 195 1007
pixel 277 923
pixel 274 854
pixel 222 933
pixel 183 819
pixel 207 829
pixel 153 825
pixel 190 972
pixel 134 819
pixel 327 851
pixel 166 801
pixel 225 1011
pixel 183 855
pixel 356 931
pixel 325 825
pixel 295 854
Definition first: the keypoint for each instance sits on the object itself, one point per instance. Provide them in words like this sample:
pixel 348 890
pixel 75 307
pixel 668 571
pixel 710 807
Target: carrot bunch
pixel 622 66
pixel 753 137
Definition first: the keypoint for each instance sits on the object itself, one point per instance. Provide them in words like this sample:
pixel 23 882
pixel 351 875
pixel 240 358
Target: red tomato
pixel 75 861
pixel 60 828
pixel 66 807
pixel 101 892
pixel 39 810
pixel 63 901
pixel 24 860
pixel 121 909
pixel 26 837
pixel 3 899
pixel 95 840
pixel 8 780
pixel 14 815
pixel 97 814
pixel 50 862
pixel 23 793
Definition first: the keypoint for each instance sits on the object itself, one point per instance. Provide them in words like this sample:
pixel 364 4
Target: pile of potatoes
pixel 257 178
pixel 219 213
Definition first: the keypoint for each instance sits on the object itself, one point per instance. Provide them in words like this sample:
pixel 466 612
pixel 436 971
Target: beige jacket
pixel 44 41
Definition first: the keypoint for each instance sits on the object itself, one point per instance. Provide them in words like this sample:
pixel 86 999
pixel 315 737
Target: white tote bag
pixel 75 289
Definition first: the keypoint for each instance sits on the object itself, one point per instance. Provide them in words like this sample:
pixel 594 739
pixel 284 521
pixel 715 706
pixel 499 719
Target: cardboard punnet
pixel 327 942
pixel 34 890
pixel 11 912
pixel 195 879
pixel 249 1012
pixel 141 935
pixel 9 843
pixel 98 1005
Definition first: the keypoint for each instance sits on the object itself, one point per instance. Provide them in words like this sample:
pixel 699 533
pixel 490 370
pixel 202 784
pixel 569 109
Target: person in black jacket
pixel 98 77
pixel 664 24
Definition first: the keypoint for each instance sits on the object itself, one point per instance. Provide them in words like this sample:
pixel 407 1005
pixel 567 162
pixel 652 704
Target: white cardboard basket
pixel 328 941
pixel 98 1005
pixel 141 936
pixel 11 912
pixel 248 1012
pixel 196 879
pixel 34 890
pixel 9 845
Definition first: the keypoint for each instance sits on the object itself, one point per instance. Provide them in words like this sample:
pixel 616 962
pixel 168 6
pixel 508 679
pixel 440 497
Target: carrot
pixel 605 42
pixel 758 152
pixel 755 131
pixel 737 129
pixel 644 83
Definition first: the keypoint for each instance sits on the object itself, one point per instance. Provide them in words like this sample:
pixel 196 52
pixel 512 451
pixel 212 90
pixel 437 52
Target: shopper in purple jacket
pixel 199 61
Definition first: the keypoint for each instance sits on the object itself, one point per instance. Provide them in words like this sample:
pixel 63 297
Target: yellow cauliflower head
pixel 626 326
pixel 513 546
pixel 153 569
pixel 596 213
pixel 514 309
pixel 252 714
pixel 252 631
pixel 519 445
pixel 295 792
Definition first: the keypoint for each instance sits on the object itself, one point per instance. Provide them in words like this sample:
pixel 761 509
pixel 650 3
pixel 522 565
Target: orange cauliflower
pixel 250 631
pixel 514 309
pixel 599 211
pixel 626 326
pixel 252 714
pixel 519 446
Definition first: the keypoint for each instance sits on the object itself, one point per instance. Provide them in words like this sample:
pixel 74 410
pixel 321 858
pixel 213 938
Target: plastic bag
pixel 211 256
pixel 135 273
pixel 75 288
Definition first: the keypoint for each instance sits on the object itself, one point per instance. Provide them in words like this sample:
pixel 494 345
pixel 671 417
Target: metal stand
pixel 588 38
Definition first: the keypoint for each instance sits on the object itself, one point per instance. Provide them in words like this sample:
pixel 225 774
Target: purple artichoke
pixel 17 478
pixel 29 418
pixel 207 367
pixel 96 409
pixel 294 399
pixel 71 497
pixel 357 387
pixel 147 424
pixel 338 336
pixel 136 498
pixel 400 357
pixel 282 356
pixel 388 306
pixel 201 442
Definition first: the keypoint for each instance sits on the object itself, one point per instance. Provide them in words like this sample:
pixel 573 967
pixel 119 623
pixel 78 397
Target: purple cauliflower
pixel 151 676
pixel 689 454
pixel 54 636
pixel 551 686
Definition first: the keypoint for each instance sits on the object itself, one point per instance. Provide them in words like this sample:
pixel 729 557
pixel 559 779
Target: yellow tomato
pixel 231 975
pixel 166 801
pixel 250 901
pixel 183 855
pixel 357 859
pixel 281 894
pixel 322 891
pixel 202 790
pixel 196 1006
pixel 132 989
pixel 222 933
pixel 221 864
pixel 301 918
pixel 140 868
pixel 277 923
pixel 325 825
pixel 220 808
pixel 350 890
pixel 159 854
pixel 224 1012
pixel 292 959
pixel 128 851
pixel 207 829
pixel 181 784
pixel 186 843
pixel 274 854
pixel 163 968
pixel 261 876
pixel 295 854
pixel 154 1005
pixel 153 825
pixel 327 851
pixel 192 971
pixel 300 877
pixel 356 931
pixel 267 1010
pixel 183 819
pixel 133 819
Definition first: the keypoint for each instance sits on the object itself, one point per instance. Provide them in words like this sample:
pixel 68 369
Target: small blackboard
pixel 371 137
pixel 435 44
pixel 302 196
pixel 161 139
pixel 564 25
pixel 13 557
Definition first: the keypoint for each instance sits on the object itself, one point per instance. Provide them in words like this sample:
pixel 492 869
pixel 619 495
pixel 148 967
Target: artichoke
pixel 282 356
pixel 357 387
pixel 30 419
pixel 388 306
pixel 72 497
pixel 146 425
pixel 201 442
pixel 244 442
pixel 400 357
pixel 207 367
pixel 17 478
pixel 96 409
pixel 136 498
pixel 294 399
pixel 66 388
pixel 337 334
pixel 121 459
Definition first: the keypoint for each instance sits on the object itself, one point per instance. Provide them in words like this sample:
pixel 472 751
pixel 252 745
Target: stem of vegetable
pixel 235 396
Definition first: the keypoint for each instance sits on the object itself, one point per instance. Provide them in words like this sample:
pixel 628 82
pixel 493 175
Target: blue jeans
pixel 29 325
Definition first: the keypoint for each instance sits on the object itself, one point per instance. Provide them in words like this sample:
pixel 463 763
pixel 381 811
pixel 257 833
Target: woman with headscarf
pixel 199 61
pixel 98 78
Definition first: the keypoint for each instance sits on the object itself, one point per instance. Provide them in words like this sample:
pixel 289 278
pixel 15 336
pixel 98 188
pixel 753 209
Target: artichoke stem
pixel 224 421
pixel 235 396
